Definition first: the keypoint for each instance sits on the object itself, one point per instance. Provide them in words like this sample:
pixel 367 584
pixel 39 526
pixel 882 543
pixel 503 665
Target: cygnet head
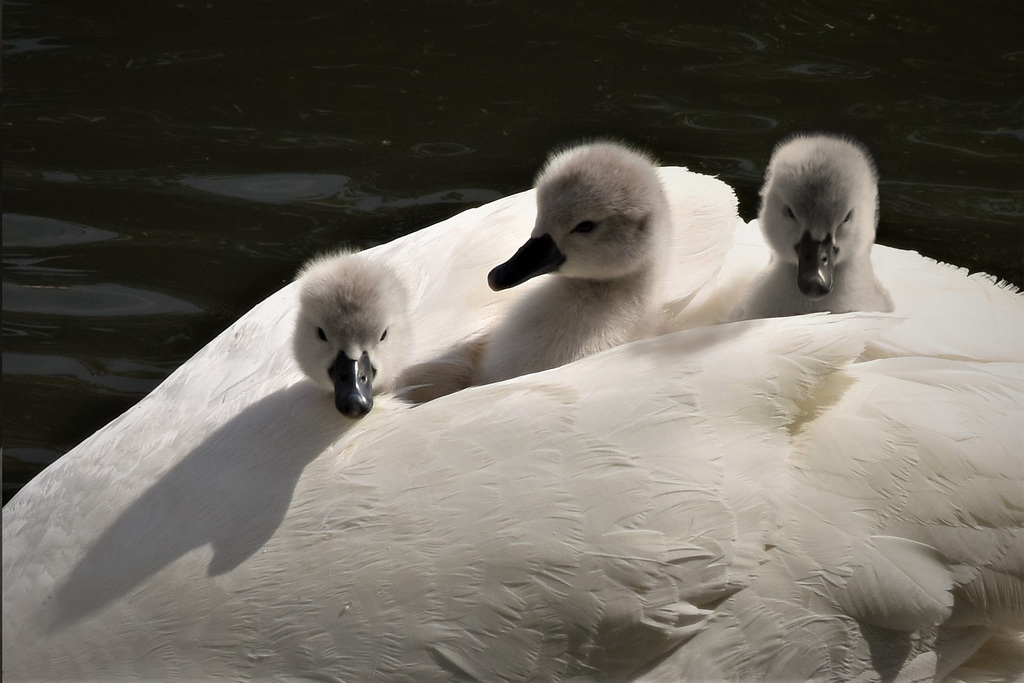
pixel 352 329
pixel 819 206
pixel 601 212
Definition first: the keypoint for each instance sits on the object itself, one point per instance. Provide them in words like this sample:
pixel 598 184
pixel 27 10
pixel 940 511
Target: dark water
pixel 166 165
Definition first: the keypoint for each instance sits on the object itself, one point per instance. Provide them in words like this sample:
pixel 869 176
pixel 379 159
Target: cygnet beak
pixel 353 385
pixel 538 256
pixel 815 265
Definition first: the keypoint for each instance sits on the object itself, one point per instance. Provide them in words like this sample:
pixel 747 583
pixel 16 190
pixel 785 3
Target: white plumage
pixel 836 497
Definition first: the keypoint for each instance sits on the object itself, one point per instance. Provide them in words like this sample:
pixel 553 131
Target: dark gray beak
pixel 353 385
pixel 538 256
pixel 815 265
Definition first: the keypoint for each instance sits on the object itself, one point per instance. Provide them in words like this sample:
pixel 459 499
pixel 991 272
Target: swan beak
pixel 538 256
pixel 814 272
pixel 353 385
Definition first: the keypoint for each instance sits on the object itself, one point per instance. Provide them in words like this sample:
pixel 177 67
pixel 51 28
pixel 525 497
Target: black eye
pixel 320 333
pixel 789 212
pixel 384 335
pixel 585 226
pixel 848 216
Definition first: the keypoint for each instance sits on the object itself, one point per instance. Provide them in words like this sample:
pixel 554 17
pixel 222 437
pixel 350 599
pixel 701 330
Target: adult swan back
pixel 751 500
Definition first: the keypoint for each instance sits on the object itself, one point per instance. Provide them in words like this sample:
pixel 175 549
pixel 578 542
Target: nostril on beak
pixel 354 410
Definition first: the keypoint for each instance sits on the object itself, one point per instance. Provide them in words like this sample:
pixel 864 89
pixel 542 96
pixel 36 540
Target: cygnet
pixel 602 229
pixel 352 329
pixel 819 214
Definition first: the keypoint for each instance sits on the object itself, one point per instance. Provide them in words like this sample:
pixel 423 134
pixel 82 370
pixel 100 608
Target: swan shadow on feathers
pixel 233 489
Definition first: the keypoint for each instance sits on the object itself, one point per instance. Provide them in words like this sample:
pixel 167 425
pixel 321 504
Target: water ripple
pixel 172 58
pixel 441 149
pixel 833 70
pixel 111 377
pixel 21 230
pixel 721 121
pixel 101 300
pixel 17 46
pixel 272 188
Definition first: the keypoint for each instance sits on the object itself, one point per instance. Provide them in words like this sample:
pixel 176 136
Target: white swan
pixel 603 227
pixel 819 214
pixel 352 332
pixel 744 501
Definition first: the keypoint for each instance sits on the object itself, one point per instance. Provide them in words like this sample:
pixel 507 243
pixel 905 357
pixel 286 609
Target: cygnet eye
pixel 848 216
pixel 320 333
pixel 585 226
pixel 384 334
pixel 789 212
